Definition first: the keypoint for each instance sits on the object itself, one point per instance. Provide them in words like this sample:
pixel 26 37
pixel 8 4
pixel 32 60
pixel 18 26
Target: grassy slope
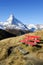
pixel 15 57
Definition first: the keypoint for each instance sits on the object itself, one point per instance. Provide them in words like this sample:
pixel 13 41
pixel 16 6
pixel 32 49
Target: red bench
pixel 30 40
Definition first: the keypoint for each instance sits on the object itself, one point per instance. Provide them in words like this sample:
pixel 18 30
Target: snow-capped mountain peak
pixel 13 23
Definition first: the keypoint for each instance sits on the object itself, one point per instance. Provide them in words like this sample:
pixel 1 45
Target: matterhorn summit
pixel 13 23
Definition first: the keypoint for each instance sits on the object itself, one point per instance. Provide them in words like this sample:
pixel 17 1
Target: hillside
pixel 11 33
pixel 5 34
pixel 10 53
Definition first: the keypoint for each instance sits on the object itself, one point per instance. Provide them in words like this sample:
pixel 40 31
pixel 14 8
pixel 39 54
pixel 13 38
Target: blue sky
pixel 27 11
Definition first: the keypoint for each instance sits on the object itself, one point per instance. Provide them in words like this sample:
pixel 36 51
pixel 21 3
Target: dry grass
pixel 15 57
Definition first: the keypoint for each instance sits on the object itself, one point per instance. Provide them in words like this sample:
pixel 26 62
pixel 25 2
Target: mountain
pixel 33 27
pixel 14 26
pixel 13 23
